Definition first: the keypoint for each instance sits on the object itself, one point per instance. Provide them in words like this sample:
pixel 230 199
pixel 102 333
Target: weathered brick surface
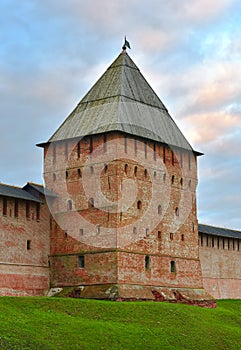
pixel 123 260
pixel 24 271
pixel 221 269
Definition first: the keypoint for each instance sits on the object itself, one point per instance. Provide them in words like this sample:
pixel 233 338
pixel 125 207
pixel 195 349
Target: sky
pixel 53 51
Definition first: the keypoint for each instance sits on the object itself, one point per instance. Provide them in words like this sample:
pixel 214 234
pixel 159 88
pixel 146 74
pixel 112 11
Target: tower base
pixel 129 292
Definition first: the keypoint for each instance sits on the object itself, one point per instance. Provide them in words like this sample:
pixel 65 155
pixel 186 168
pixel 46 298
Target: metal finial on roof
pixel 126 44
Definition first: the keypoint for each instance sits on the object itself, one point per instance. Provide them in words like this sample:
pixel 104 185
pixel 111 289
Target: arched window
pixel 182 237
pixel 173 178
pixel 159 209
pixel 126 168
pixel 91 202
pixel 106 168
pixel 66 174
pixel 135 170
pixel 79 173
pixel 177 211
pixel 69 204
pixel 181 181
pixel 139 205
pixel 145 173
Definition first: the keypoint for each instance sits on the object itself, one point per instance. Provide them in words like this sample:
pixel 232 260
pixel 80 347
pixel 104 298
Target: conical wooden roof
pixel 122 100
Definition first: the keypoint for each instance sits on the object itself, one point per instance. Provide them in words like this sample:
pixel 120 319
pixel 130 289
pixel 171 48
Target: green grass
pixel 62 323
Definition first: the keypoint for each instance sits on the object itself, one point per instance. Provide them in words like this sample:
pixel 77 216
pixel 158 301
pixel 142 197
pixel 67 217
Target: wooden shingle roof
pixel 122 100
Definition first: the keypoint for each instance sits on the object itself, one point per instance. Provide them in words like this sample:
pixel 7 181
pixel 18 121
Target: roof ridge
pixel 219 227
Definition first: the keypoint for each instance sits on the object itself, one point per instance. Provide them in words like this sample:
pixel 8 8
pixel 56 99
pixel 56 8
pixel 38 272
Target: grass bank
pixel 58 323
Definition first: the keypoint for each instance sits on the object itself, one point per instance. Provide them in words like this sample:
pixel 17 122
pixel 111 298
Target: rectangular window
pixel 78 149
pixel 54 153
pixel 28 244
pixel 105 143
pixel 173 159
pixel 28 210
pixel 147 262
pixel 181 159
pixel 16 208
pixel 5 206
pixel 173 266
pixel 125 143
pixel 37 211
pixel 66 149
pixel 189 161
pixel 91 144
pixel 81 261
pixel 154 151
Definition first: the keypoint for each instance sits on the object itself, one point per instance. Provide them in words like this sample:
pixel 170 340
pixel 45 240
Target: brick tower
pixel 124 221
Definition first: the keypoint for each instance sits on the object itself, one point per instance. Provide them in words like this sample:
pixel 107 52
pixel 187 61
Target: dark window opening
pixel 91 169
pixel 134 230
pixel 91 144
pixel 105 144
pixel 159 209
pixel 154 174
pixel 173 266
pixel 164 154
pixel 135 170
pixel 5 206
pixel 105 168
pixel 66 150
pixel 37 211
pixel 201 239
pixel 121 216
pixel 181 159
pixel 69 204
pixel 159 234
pixel 66 174
pixel 182 237
pixel 81 231
pixel 54 153
pixel 139 205
pixel 65 234
pixel 173 159
pixel 177 211
pixel 147 232
pixel 126 168
pixel 181 181
pixel 98 229
pixel 154 151
pixel 145 173
pixel 173 178
pixel 171 236
pixel 135 147
pixel 125 144
pixel 81 261
pixel 189 161
pixel 78 149
pixel 16 208
pixel 27 210
pixel 147 262
pixel 109 182
pixel 54 177
pixel 91 202
pixel 164 177
pixel 28 244
pixel 79 173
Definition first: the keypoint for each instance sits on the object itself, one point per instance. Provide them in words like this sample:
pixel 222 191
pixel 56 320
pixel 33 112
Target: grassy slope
pixel 57 323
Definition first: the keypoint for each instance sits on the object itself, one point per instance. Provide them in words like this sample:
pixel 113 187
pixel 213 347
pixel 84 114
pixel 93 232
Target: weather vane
pixel 126 44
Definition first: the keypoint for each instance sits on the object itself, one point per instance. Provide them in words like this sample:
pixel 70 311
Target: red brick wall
pixel 163 242
pixel 221 269
pixel 24 271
